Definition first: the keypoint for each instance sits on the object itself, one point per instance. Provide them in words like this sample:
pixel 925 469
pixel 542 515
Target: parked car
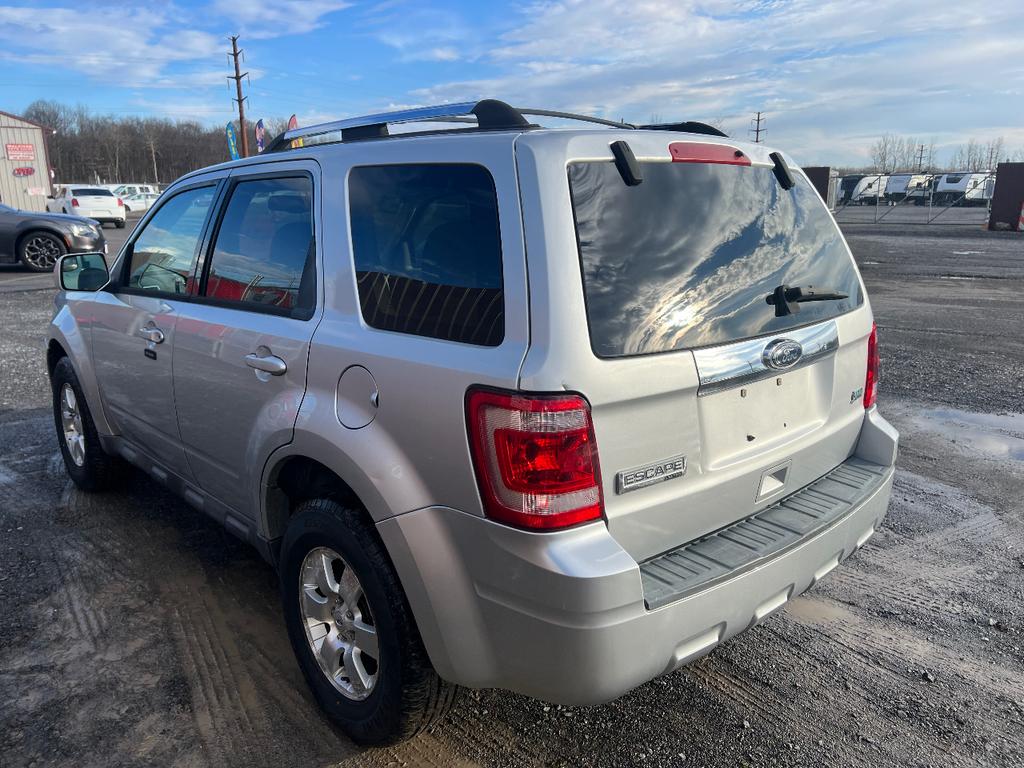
pixel 563 475
pixel 37 240
pixel 139 202
pixel 95 203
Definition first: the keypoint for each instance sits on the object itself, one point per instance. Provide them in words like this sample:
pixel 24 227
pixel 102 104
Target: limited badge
pixel 649 474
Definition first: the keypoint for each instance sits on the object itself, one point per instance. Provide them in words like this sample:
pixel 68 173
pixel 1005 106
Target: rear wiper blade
pixel 787 299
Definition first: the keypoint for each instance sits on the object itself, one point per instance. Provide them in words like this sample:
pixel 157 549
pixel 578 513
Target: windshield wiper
pixel 787 299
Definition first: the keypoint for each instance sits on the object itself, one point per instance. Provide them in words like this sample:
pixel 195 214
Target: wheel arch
pixel 54 352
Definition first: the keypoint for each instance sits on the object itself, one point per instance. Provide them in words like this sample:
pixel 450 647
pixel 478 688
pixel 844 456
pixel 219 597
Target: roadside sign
pixel 21 152
pixel 232 137
pixel 27 171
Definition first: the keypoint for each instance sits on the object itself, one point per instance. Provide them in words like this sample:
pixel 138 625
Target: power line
pixel 755 127
pixel 237 77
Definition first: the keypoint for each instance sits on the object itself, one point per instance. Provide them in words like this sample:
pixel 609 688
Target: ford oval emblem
pixel 782 353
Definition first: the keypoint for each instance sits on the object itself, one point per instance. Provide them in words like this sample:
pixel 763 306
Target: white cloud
pixel 274 18
pixel 133 51
pixel 832 76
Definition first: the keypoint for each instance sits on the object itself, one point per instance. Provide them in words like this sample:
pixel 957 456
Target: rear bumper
pixel 563 616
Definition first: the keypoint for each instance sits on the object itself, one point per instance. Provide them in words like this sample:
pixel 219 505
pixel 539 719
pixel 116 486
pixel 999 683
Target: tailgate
pixel 724 332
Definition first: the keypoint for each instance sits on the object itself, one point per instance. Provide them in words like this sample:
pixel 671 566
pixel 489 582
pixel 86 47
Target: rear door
pixel 715 389
pixel 135 321
pixel 241 348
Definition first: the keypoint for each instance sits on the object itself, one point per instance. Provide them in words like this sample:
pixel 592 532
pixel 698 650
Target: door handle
pixel 271 364
pixel 150 332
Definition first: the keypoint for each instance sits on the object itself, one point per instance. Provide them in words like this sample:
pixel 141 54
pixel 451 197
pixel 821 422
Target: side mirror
pixel 81 272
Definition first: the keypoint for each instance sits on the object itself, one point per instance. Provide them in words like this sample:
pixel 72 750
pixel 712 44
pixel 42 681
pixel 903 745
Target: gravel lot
pixel 135 632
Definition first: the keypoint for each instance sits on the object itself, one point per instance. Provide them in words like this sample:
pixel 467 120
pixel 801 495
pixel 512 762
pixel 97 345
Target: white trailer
pixel 965 188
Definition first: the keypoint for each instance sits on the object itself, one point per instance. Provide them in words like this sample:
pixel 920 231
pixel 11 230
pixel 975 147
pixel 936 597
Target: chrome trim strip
pixel 731 365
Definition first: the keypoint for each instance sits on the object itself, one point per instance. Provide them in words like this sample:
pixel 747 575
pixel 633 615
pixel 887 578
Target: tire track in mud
pixel 229 729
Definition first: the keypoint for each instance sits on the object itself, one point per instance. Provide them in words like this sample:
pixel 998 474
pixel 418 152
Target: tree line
pixel 906 153
pixel 106 149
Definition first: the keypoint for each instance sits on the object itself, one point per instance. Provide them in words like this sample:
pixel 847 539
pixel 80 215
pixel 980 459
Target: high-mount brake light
pixel 535 458
pixel 871 379
pixel 703 152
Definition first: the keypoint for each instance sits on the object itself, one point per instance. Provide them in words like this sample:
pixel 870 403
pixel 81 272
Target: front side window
pixel 264 255
pixel 689 257
pixel 164 254
pixel 427 251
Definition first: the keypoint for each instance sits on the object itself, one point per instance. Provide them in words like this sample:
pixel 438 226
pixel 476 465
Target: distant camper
pixel 902 186
pixel 965 188
pixel 869 189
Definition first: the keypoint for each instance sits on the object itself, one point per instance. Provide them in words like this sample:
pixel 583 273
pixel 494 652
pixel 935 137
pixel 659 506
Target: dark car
pixel 37 240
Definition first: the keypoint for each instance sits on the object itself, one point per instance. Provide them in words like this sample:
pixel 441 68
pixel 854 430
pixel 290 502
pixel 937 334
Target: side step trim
pixel 674 574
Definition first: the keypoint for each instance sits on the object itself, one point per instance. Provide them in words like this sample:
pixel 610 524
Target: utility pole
pixel 240 99
pixel 152 154
pixel 755 127
pixel 920 157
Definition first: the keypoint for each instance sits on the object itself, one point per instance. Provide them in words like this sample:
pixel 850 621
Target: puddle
pixel 1001 437
pixel 968 253
pixel 873 263
pixel 956 277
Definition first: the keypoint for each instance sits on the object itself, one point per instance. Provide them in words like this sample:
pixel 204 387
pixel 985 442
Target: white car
pixel 139 202
pixel 91 202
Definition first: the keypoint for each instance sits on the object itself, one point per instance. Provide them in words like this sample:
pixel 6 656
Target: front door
pixel 240 349
pixel 136 320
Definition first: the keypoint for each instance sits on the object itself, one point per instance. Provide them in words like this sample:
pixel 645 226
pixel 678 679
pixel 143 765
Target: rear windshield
pixel 91 192
pixel 687 258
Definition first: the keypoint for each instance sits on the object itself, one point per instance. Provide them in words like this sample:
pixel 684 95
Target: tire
pixel 120 224
pixel 405 695
pixel 90 467
pixel 39 251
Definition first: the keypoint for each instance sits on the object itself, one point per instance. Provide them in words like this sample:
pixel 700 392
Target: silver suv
pixel 556 411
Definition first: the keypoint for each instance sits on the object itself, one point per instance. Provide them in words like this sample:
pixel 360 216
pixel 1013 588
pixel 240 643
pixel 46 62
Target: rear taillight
pixel 871 380
pixel 74 202
pixel 120 203
pixel 535 458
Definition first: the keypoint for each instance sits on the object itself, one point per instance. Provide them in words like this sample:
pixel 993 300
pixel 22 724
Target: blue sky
pixel 831 76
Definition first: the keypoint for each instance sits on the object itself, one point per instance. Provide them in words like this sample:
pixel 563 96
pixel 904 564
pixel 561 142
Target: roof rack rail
pixel 488 114
pixel 689 126
pixel 574 116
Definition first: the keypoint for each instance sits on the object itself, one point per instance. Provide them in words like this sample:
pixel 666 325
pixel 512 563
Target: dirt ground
pixel 133 631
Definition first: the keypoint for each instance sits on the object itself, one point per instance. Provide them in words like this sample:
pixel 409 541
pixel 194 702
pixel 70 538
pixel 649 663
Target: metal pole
pixel 240 99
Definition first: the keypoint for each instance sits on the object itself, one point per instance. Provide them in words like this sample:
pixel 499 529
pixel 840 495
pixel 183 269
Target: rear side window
pixel 164 253
pixel 688 257
pixel 264 255
pixel 427 251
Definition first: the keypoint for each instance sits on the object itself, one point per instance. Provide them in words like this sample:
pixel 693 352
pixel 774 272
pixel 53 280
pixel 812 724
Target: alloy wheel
pixel 71 421
pixel 41 251
pixel 339 626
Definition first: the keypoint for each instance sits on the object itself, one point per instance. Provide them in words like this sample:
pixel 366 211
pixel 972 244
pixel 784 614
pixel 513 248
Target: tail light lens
pixel 120 203
pixel 535 458
pixel 871 380
pixel 74 202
